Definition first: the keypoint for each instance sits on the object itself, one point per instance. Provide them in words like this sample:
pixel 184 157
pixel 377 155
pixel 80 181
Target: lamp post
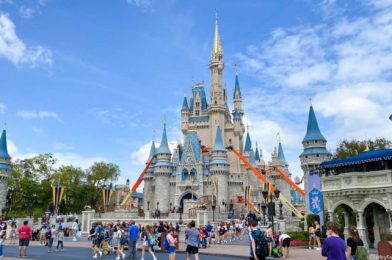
pixel 213 211
pixel 158 205
pixel 148 205
pixel 263 208
pixel 180 220
pixel 280 210
pixel 170 208
pixel 271 204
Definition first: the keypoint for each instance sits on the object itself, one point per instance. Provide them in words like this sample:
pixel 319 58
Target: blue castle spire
pixel 257 155
pixel 218 141
pixel 248 143
pixel 281 154
pixel 164 147
pixel 252 159
pixel 237 90
pixel 236 115
pixel 3 146
pixel 313 131
pixel 185 104
pixel 152 151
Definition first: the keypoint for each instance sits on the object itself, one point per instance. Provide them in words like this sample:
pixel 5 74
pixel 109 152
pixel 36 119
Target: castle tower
pixel 148 192
pixel 281 154
pixel 162 172
pixel 218 101
pixel 185 116
pixel 219 167
pixel 237 97
pixel 238 114
pixel 315 152
pixel 5 171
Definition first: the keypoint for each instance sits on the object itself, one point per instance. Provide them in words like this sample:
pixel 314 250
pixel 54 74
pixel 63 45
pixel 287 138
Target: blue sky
pixel 90 80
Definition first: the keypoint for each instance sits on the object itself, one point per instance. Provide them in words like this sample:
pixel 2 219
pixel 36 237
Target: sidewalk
pixel 237 251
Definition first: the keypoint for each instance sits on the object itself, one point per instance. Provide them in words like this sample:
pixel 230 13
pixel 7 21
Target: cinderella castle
pixel 201 166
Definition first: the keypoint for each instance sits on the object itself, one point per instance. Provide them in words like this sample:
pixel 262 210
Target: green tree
pixel 348 148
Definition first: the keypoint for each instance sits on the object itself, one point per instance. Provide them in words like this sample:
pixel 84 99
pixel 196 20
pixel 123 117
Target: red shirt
pixel 24 232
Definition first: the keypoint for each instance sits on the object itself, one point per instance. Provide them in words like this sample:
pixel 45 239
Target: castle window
pixel 317 155
pixel 315 141
pixel 197 104
pixel 306 156
pixel 197 112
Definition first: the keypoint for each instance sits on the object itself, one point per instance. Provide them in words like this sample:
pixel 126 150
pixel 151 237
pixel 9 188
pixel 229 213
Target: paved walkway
pixel 238 251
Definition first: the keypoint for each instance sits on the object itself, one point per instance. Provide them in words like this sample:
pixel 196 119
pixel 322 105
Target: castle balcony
pixel 188 184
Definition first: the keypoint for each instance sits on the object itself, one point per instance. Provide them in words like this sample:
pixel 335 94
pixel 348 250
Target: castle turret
pixel 219 167
pixel 5 170
pixel 148 194
pixel 162 172
pixel 281 154
pixel 185 116
pixel 315 152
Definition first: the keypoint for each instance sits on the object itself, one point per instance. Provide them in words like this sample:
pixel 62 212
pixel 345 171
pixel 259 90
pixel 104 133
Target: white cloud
pixel 64 158
pixel 116 116
pixel 36 130
pixel 3 108
pixel 62 146
pixel 26 12
pixel 15 50
pixel 25 114
pixel 144 5
pixel 345 63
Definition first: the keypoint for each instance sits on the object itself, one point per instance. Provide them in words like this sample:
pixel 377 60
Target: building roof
pixel 218 146
pixel 281 154
pixel 248 143
pixel 191 145
pixel 315 150
pixel 3 146
pixel 199 89
pixel 257 155
pixel 164 146
pixel 198 118
pixel 5 166
pixel 237 90
pixel 362 158
pixel 185 104
pixel 313 131
pixel 217 49
pixel 252 158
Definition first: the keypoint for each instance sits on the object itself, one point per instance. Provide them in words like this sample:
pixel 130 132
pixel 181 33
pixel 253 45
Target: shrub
pixel 299 235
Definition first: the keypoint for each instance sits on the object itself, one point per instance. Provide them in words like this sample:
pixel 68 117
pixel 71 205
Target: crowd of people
pixel 113 238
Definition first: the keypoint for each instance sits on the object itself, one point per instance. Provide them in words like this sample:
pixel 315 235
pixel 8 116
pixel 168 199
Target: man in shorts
pixel 24 238
pixel 192 247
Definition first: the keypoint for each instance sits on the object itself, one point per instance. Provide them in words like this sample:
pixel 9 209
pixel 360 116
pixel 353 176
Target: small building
pixel 361 187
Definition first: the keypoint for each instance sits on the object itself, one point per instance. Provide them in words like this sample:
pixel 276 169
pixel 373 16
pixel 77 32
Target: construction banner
pixel 57 192
pixel 247 192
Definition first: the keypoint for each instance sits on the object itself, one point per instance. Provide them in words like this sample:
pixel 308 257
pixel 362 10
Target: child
pixel 2 238
pixel 60 238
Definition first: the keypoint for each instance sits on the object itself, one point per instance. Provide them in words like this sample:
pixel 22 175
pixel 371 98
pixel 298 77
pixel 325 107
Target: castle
pixel 201 166
pixel 5 171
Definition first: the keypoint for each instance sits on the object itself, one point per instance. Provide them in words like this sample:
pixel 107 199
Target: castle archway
pixel 188 195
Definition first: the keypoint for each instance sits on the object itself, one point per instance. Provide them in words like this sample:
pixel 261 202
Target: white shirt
pixel 283 237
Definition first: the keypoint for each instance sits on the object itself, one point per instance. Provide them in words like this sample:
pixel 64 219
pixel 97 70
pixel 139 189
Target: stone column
pixel 345 232
pixel 390 220
pixel 361 228
pixel 376 227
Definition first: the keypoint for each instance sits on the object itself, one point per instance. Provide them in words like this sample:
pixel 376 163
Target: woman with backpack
pixel 121 241
pixel 355 248
pixel 170 243
pixel 148 239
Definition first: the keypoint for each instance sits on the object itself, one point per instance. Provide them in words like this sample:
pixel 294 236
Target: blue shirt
pixel 133 231
pixel 252 236
pixel 334 248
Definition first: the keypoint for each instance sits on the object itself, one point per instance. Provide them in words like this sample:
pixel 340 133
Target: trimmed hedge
pixel 299 235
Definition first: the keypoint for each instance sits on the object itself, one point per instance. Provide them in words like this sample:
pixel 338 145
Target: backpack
pixel 123 238
pixel 151 240
pixel 166 244
pixel 261 244
pixel 48 234
pixel 101 233
pixel 361 252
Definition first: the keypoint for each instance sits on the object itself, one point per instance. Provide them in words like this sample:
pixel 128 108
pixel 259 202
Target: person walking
pixel 148 241
pixel 13 234
pixel 317 233
pixel 98 236
pixel 312 236
pixel 133 234
pixel 75 229
pixel 333 247
pixel 24 239
pixel 50 236
pixel 60 238
pixel 258 243
pixel 353 243
pixel 192 247
pixel 270 238
pixel 121 241
pixel 172 243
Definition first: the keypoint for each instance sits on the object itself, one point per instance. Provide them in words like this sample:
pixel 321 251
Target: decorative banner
pixel 57 192
pixel 107 196
pixel 247 192
pixel 315 196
